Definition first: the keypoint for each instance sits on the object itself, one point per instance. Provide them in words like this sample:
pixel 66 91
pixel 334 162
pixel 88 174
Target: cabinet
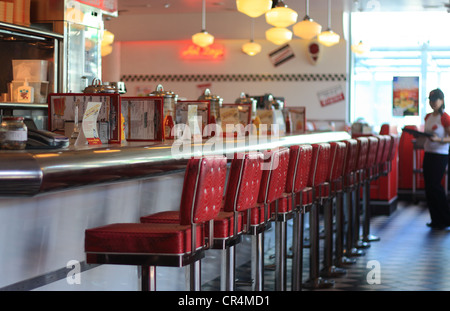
pixel 19 42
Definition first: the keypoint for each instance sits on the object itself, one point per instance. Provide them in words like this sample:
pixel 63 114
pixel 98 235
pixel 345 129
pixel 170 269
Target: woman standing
pixel 436 159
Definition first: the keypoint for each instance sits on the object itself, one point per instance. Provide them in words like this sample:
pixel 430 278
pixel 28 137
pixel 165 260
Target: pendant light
pixel 328 37
pixel 279 35
pixel 203 38
pixel 307 28
pixel 253 8
pixel 251 48
pixel 360 48
pixel 281 16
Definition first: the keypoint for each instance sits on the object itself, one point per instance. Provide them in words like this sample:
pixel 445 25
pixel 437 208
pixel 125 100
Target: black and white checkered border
pixel 303 77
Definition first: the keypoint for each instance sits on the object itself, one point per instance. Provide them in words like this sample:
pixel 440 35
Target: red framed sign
pixel 245 112
pixel 64 109
pixel 201 108
pixel 143 118
pixel 295 119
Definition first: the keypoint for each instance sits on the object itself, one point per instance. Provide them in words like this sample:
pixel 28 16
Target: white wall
pixel 142 51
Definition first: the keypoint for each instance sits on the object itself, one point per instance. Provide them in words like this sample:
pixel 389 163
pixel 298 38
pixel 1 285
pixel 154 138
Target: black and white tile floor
pixel 409 257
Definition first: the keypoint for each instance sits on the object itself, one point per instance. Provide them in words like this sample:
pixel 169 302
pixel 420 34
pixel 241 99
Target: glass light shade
pixel 203 39
pixel 281 17
pixel 278 35
pixel 108 38
pixel 360 48
pixel 106 49
pixel 253 8
pixel 251 48
pixel 328 38
pixel 307 28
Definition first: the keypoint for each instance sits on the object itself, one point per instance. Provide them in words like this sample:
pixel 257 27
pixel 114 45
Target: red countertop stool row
pixel 275 185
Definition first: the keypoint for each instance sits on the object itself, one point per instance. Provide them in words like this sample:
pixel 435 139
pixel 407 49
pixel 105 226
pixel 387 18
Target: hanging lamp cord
pixel 203 16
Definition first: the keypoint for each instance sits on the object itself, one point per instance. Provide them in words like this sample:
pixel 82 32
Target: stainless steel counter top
pixel 33 172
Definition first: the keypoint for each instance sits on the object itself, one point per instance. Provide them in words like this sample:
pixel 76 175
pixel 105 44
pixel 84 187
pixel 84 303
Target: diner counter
pixel 48 198
pixel 34 172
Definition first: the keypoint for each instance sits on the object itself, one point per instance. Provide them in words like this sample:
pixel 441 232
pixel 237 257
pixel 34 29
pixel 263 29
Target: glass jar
pixel 13 133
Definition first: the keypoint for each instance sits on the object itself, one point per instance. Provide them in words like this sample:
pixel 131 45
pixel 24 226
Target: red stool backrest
pixel 320 164
pixel 273 180
pixel 244 181
pixel 387 148
pixel 299 167
pixel 337 157
pixel 361 158
pixel 394 147
pixel 203 187
pixel 372 152
pixel 350 156
pixel 380 150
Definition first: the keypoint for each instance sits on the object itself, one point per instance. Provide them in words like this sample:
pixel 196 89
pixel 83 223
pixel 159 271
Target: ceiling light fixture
pixel 251 48
pixel 360 48
pixel 253 8
pixel 281 15
pixel 328 37
pixel 279 35
pixel 307 28
pixel 203 38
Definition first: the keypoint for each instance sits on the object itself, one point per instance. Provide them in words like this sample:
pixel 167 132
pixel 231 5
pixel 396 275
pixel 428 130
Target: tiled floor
pixel 409 257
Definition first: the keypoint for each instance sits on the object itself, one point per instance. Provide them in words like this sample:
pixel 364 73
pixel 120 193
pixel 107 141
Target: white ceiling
pixel 193 6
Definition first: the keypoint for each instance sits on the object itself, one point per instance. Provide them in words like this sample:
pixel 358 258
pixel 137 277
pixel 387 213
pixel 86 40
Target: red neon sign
pixel 212 52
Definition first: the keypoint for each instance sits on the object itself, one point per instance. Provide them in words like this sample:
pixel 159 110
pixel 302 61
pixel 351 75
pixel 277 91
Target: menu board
pixel 65 110
pixel 244 110
pixel 202 112
pixel 143 118
pixel 295 119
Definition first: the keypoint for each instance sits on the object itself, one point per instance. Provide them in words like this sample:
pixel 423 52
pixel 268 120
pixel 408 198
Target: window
pixel 403 44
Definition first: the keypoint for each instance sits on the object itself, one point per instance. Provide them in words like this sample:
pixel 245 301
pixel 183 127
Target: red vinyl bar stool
pixel 391 156
pixel 342 252
pixel 285 207
pixel 241 194
pixel 317 181
pixel 163 244
pixel 334 179
pixel 369 177
pixel 387 154
pixel 360 171
pixel 383 142
pixel 273 182
pixel 297 183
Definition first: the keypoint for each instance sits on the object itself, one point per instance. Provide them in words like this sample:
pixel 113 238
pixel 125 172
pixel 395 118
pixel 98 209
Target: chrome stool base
pixel 333 271
pixel 371 238
pixel 318 283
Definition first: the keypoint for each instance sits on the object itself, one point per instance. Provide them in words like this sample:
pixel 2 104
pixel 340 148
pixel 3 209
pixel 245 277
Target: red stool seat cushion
pixel 284 204
pixel 223 223
pixel 257 215
pixel 142 238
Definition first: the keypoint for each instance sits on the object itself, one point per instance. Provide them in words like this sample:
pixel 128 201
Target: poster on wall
pixel 405 96
pixel 330 96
